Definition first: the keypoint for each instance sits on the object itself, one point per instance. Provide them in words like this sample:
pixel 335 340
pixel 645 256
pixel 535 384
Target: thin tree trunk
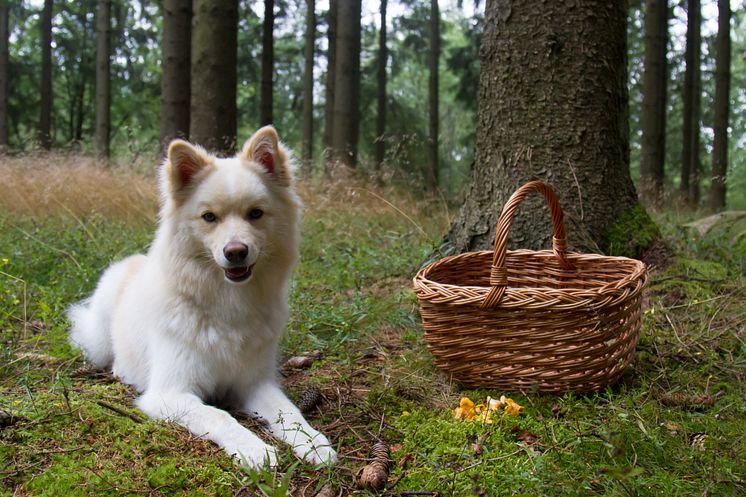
pixel 552 106
pixel 103 82
pixel 307 148
pixel 433 97
pixel 268 64
pixel 45 114
pixel 331 61
pixel 82 82
pixel 4 11
pixel 175 81
pixel 653 118
pixel 690 161
pixel 383 56
pixel 212 118
pixel 347 84
pixel 722 108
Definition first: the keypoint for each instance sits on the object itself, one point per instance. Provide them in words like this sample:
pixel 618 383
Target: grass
pixel 673 425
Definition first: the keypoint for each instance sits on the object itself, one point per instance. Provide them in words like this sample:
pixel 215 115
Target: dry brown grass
pixel 56 185
pixel 41 186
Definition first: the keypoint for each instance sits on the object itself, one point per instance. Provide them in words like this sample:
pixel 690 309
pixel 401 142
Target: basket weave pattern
pixel 521 319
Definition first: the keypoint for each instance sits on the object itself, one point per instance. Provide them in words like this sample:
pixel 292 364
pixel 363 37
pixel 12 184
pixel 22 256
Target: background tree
pixel 103 77
pixel 212 120
pixel 690 159
pixel 552 105
pixel 268 63
pixel 434 95
pixel 653 119
pixel 4 20
pixel 331 63
pixel 347 84
pixel 176 75
pixel 75 65
pixel 383 56
pixel 45 107
pixel 722 107
pixel 307 145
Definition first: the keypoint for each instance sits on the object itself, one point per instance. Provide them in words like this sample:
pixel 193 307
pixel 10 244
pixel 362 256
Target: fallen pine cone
pixel 299 362
pixel 310 399
pixel 375 475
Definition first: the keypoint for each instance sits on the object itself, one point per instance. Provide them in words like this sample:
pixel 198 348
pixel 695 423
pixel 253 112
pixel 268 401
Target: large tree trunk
pixel 433 96
pixel 690 162
pixel 383 57
pixel 4 11
pixel 175 81
pixel 212 120
pixel 552 106
pixel 45 111
pixel 103 81
pixel 307 148
pixel 722 107
pixel 331 61
pixel 653 120
pixel 268 64
pixel 347 84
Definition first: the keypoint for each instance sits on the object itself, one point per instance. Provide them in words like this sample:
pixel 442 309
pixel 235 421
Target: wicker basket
pixel 522 319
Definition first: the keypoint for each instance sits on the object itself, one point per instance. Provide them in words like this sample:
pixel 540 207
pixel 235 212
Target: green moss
pixel 633 232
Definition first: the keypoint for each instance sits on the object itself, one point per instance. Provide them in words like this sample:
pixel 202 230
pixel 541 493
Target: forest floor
pixel 675 424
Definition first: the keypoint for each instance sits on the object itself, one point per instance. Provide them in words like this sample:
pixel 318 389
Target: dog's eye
pixel 209 217
pixel 255 213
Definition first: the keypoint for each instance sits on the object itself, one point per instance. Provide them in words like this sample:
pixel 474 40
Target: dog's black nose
pixel 235 252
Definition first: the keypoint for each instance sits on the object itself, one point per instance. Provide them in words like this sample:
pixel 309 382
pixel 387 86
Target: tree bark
pixel 175 81
pixel 690 161
pixel 80 107
pixel 307 148
pixel 4 17
pixel 653 119
pixel 103 82
pixel 347 84
pixel 722 108
pixel 268 64
pixel 331 61
pixel 212 119
pixel 552 106
pixel 45 111
pixel 433 96
pixel 383 56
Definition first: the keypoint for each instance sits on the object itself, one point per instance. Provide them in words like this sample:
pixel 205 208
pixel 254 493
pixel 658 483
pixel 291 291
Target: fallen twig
pixel 120 411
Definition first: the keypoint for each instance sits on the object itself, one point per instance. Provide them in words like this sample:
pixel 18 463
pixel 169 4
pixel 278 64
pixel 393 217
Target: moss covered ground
pixel 675 424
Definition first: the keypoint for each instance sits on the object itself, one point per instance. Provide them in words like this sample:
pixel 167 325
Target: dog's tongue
pixel 237 272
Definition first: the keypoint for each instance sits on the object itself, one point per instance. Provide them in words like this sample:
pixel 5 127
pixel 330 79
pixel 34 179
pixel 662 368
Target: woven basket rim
pixel 632 271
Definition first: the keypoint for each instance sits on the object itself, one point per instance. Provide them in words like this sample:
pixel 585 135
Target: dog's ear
pixel 184 162
pixel 264 149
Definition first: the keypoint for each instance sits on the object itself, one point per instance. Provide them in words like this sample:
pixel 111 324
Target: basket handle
pixel 498 272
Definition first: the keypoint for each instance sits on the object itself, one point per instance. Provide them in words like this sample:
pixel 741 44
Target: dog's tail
pixel 90 335
pixel 91 319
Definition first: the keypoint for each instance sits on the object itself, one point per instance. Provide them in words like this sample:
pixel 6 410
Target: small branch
pixel 120 411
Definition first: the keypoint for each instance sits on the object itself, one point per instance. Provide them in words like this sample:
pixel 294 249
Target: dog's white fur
pixel 177 327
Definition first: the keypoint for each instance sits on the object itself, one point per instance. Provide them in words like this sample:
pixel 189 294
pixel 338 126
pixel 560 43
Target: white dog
pixel 197 320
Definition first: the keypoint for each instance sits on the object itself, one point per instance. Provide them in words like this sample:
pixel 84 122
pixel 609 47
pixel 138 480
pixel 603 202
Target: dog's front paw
pixel 316 451
pixel 254 455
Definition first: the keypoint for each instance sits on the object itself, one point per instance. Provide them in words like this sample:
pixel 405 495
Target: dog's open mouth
pixel 238 274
